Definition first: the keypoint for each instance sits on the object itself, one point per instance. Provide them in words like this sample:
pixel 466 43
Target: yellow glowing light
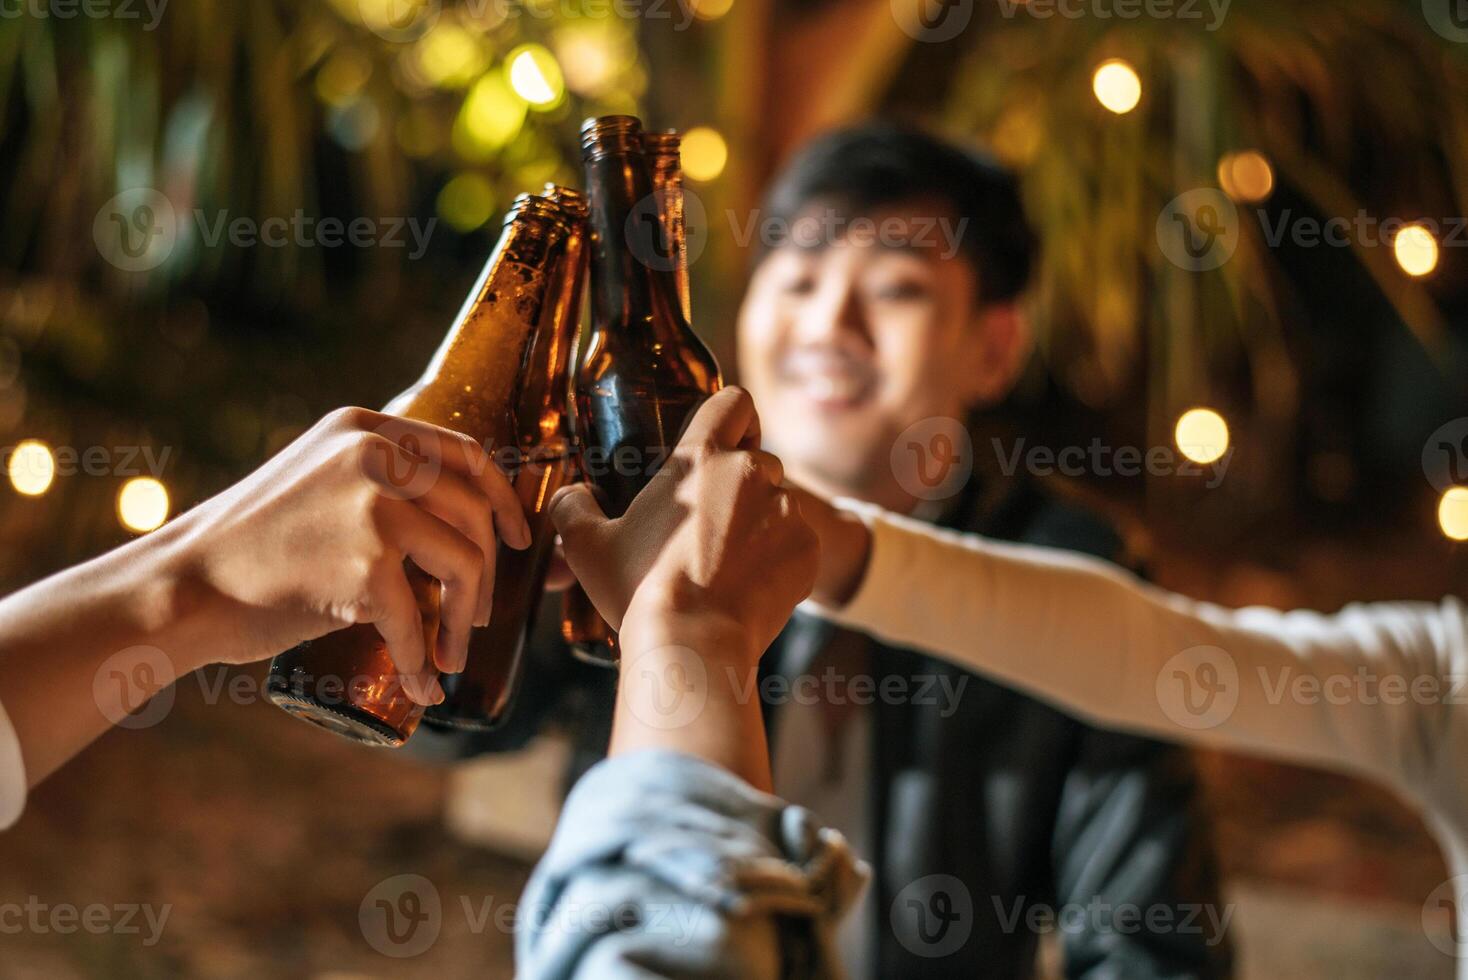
pixel 1202 435
pixel 704 153
pixel 32 468
pixel 535 76
pixel 711 9
pixel 592 56
pixel 1246 176
pixel 466 202
pixel 449 56
pixel 490 118
pixel 1452 513
pixel 394 18
pixel 1117 85
pixel 1416 250
pixel 142 504
pixel 343 76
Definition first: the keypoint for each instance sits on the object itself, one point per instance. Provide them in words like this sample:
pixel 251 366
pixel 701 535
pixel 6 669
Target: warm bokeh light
pixel 32 468
pixel 1246 176
pixel 1452 513
pixel 711 9
pixel 490 118
pixel 466 202
pixel 1117 85
pixel 535 75
pixel 1416 250
pixel 704 153
pixel 142 504
pixel 592 55
pixel 395 18
pixel 449 56
pixel 343 76
pixel 1202 435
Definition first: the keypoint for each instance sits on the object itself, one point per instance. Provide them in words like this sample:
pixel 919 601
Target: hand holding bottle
pixel 315 539
pixel 712 534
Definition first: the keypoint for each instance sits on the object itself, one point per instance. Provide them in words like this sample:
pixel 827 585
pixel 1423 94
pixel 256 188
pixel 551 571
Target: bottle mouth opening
pixel 610 134
pixel 665 144
pixel 569 198
pixel 538 206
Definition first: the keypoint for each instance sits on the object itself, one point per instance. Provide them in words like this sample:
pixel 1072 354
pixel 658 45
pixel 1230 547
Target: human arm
pixel 669 861
pixel 1113 649
pixel 312 541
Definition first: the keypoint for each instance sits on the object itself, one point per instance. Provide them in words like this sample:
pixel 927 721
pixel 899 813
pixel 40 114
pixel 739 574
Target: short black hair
pixel 880 163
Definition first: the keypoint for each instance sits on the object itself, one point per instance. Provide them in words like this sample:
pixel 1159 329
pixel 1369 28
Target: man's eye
pixel 800 286
pixel 901 291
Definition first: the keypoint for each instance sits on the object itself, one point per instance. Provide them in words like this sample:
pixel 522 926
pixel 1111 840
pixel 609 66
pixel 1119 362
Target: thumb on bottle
pixel 575 513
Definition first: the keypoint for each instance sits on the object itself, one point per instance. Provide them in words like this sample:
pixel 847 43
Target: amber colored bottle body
pixel 645 371
pixel 480 697
pixel 346 681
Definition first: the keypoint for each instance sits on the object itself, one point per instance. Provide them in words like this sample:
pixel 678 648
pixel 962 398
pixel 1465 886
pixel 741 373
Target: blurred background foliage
pixel 1331 365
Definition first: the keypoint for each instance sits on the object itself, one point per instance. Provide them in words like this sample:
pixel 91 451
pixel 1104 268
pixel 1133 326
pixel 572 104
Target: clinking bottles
pixel 479 697
pixel 345 681
pixel 645 371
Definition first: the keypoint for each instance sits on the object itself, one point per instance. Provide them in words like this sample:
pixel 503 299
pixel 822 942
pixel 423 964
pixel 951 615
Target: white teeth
pixel 828 387
pixel 823 376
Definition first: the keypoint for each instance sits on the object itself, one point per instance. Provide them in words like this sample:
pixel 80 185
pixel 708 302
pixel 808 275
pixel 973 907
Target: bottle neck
pixel 634 295
pixel 543 408
pixel 471 383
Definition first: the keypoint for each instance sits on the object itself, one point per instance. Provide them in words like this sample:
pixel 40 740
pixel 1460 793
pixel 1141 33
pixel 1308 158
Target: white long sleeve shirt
pixel 12 773
pixel 1379 690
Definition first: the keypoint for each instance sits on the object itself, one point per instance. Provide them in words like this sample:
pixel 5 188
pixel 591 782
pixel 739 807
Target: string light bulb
pixel 1415 250
pixel 1246 176
pixel 142 504
pixel 32 468
pixel 535 75
pixel 1117 85
pixel 704 153
pixel 1452 513
pixel 1202 435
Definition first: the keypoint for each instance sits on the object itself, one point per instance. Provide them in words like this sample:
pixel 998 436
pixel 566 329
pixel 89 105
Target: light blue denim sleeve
pixel 664 865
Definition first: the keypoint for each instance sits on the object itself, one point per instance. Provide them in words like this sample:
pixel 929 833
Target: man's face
pixel 845 344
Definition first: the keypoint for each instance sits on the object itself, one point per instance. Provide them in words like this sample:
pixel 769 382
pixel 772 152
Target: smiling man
pixel 867 347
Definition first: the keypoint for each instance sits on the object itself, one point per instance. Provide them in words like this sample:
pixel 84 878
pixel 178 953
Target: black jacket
pixel 989 821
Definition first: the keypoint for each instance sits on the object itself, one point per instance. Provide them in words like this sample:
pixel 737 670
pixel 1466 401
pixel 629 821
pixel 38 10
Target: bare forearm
pixel 685 688
pixel 77 648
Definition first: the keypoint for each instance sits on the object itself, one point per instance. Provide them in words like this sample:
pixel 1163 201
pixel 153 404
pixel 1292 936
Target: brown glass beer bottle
pixel 582 627
pixel 645 371
pixel 665 166
pixel 480 697
pixel 346 681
